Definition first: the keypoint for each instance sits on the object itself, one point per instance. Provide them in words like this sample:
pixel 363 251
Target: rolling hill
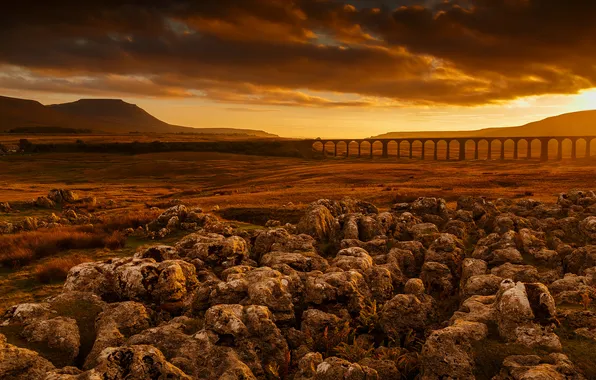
pixel 97 115
pixel 581 123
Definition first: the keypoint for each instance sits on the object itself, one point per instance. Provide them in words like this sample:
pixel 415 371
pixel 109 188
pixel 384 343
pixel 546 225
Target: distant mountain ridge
pixel 582 123
pixel 97 115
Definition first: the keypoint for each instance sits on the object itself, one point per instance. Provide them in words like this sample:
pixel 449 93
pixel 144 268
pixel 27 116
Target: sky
pixel 309 68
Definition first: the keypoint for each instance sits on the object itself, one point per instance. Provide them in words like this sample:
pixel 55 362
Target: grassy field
pixel 249 189
pixel 13 138
pixel 231 180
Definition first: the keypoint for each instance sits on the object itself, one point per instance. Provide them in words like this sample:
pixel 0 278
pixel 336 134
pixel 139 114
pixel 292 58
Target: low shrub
pixel 132 219
pixel 116 240
pixel 20 249
pixel 56 269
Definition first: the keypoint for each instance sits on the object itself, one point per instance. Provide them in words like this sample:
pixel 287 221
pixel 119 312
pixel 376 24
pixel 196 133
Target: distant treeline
pixel 49 130
pixel 252 147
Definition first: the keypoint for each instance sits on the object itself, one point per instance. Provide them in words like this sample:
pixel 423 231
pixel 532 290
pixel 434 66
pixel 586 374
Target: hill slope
pixel 20 113
pixel 581 123
pixel 98 115
pixel 116 115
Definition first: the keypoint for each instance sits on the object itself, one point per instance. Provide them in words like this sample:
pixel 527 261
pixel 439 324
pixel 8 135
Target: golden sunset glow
pixel 308 68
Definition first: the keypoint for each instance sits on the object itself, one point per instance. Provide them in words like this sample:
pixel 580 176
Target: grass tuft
pixel 20 249
pixel 56 269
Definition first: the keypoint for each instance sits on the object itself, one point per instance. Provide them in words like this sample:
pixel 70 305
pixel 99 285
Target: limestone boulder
pixel 300 261
pixel 345 286
pixel 279 239
pixel 335 368
pixel 59 335
pixel 555 366
pixel 115 324
pixel 256 338
pixel 447 353
pixel 20 363
pixel 214 249
pixel 134 362
pixel 319 223
pixel 407 311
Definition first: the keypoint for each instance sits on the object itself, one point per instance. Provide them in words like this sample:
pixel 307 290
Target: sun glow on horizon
pixel 344 122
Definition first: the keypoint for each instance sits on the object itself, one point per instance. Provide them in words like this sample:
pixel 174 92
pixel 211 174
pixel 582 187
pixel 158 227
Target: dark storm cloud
pixel 303 52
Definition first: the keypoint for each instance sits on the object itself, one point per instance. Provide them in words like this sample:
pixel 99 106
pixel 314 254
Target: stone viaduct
pixel 450 154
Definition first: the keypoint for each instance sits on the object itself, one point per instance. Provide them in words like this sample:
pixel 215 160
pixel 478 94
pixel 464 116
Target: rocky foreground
pixel 499 290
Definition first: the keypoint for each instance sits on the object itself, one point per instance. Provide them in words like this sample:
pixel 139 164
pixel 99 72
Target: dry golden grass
pixel 230 180
pixel 56 269
pixel 20 249
pixel 245 188
pixel 128 218
pixel 13 138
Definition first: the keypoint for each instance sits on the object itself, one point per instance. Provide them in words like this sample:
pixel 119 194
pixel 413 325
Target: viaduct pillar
pixel 543 149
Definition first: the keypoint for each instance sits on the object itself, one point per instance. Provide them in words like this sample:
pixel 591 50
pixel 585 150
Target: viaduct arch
pixel 496 147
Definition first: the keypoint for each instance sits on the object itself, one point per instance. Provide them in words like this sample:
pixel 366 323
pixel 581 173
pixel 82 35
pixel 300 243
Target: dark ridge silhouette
pixel 581 123
pixel 116 114
pixel 97 115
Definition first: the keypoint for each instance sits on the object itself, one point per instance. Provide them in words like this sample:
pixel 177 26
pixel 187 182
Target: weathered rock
pixel 20 363
pixel 447 352
pixel 300 261
pixel 44 202
pixel 318 222
pixel 472 267
pixel 437 277
pixel 256 338
pixel 134 362
pixel 393 262
pixel 353 258
pixel 483 285
pixel 5 207
pixel 320 327
pixel 329 287
pixel 581 259
pixel 279 239
pixel 414 286
pixel 498 256
pixel 477 309
pixel 448 250
pixel 117 322
pixel 523 273
pixel 214 249
pixel 307 367
pixel 431 206
pixel 6 228
pixel 513 308
pixel 134 279
pixel 380 282
pixel 174 341
pixel 376 246
pixel 555 366
pixel 407 311
pixel 27 313
pixel 515 316
pixel 386 369
pixel 158 253
pixel 335 368
pixel 588 229
pixel 63 196
pixel 424 232
pixel 255 286
pixel 60 335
